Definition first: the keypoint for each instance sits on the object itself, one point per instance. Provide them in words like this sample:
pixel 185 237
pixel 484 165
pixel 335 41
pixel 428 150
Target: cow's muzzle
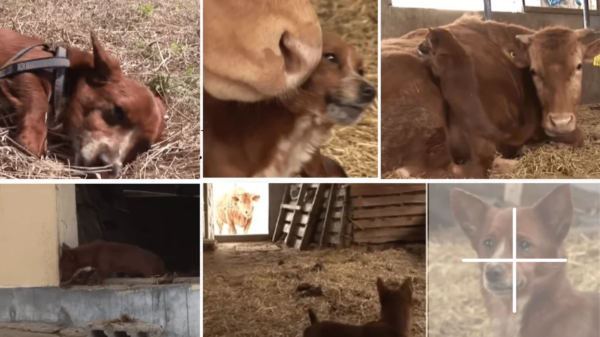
pixel 557 123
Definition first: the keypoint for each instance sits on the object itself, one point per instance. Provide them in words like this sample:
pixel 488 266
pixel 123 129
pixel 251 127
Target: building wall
pixel 396 22
pixel 29 232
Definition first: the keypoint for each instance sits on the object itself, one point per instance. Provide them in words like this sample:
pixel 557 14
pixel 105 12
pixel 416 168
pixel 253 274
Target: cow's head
pixel 245 203
pixel 555 57
pixel 255 50
pixel 112 118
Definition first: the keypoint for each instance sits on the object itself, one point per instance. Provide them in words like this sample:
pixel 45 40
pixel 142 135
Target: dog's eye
pixel 361 72
pixel 489 243
pixel 524 245
pixel 332 58
pixel 579 66
pixel 119 114
pixel 533 73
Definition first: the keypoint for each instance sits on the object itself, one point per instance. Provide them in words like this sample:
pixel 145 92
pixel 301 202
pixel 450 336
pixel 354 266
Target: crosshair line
pixel 514 260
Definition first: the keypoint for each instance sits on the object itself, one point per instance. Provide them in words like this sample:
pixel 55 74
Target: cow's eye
pixel 489 244
pixel 579 66
pixel 332 58
pixel 361 72
pixel 119 114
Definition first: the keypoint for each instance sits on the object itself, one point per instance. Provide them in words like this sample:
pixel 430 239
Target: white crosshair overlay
pixel 514 260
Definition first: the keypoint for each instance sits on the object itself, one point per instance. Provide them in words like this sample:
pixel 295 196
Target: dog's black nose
pixel 367 92
pixel 494 273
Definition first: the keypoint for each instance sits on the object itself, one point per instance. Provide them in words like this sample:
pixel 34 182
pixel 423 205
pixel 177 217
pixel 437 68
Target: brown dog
pixel 396 317
pixel 107 258
pixel 109 117
pixel 281 138
pixel 465 114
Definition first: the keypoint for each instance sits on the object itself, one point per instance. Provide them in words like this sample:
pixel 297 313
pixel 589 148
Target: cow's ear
pixel 235 198
pixel 469 211
pixel 556 211
pixel 591 50
pixel 255 197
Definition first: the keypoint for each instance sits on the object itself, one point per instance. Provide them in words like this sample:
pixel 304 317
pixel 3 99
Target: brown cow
pixel 533 107
pixel 281 138
pixel 255 50
pixel 109 117
pixel 236 208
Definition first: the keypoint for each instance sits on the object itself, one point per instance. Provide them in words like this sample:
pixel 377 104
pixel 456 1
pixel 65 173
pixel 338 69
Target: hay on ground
pixel 455 302
pixel 254 294
pixel 355 147
pixel 157 43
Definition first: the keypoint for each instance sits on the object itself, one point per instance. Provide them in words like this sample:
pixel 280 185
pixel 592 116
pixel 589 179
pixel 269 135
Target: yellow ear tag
pixel 597 61
pixel 512 54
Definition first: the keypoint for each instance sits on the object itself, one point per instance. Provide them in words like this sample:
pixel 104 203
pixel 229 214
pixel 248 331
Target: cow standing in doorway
pixel 236 209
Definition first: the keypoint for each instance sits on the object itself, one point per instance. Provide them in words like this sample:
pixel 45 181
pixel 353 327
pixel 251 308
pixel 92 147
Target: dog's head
pixel 541 229
pixel 68 264
pixel 337 89
pixel 396 304
pixel 112 118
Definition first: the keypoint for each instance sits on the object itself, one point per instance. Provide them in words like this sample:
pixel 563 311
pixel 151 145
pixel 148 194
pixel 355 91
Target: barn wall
pixel 276 192
pixel 382 213
pixel 399 21
pixel 29 235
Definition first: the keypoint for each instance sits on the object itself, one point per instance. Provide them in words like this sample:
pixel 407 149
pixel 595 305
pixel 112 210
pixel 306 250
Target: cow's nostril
pixel 292 61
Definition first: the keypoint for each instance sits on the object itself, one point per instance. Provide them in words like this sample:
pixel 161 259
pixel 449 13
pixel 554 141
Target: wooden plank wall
pixel 382 213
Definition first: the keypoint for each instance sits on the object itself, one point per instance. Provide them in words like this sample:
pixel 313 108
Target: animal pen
pixel 325 248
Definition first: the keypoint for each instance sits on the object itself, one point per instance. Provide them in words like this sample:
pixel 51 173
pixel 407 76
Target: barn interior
pixel 325 246
pixel 161 218
pixel 399 17
pixel 455 302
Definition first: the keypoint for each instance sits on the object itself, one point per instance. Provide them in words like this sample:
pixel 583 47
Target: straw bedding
pixel 254 294
pixel 454 299
pixel 355 147
pixel 157 43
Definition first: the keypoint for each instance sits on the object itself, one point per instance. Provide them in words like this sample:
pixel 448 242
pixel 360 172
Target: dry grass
pixel 455 302
pixel 157 42
pixel 254 294
pixel 355 147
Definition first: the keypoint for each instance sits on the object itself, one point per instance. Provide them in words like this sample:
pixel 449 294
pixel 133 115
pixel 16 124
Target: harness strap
pixel 59 98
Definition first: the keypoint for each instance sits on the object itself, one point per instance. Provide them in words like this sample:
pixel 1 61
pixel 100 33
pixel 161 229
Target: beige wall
pixel 30 218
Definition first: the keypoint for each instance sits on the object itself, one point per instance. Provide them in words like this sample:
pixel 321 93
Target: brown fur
pixel 413 108
pixel 547 304
pixel 107 258
pixel 236 208
pixel 280 138
pixel 98 89
pixel 257 50
pixel 396 317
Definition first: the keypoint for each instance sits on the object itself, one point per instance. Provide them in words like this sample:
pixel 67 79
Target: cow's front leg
pixel 232 229
pixel 30 102
pixel 247 225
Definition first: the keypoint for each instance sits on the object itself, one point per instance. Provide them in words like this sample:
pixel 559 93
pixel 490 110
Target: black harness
pixel 57 64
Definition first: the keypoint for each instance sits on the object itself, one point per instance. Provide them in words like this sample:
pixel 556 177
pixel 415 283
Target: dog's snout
pixel 367 92
pixel 494 273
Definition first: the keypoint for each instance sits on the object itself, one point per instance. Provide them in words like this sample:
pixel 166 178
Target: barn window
pixel 162 219
pixel 462 5
pixel 560 6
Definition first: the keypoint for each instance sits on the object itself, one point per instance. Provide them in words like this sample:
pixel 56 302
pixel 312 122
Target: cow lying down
pixel 395 320
pixel 283 137
pixel 100 259
pixel 109 117
pixel 455 96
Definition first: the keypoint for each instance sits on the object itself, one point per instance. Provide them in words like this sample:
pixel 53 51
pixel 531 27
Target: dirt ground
pixel 454 299
pixel 253 294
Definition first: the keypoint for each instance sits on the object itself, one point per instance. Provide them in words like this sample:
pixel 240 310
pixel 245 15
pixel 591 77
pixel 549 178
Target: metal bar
pixel 487 9
pixel 586 14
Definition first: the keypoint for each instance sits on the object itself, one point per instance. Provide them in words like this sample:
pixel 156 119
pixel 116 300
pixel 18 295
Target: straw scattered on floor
pixel 254 294
pixel 455 302
pixel 355 147
pixel 157 43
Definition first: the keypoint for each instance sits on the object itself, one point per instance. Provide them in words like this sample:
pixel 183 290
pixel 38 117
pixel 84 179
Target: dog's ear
pixel 381 288
pixel 312 317
pixel 106 67
pixel 556 211
pixel 65 247
pixel 469 211
pixel 407 286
